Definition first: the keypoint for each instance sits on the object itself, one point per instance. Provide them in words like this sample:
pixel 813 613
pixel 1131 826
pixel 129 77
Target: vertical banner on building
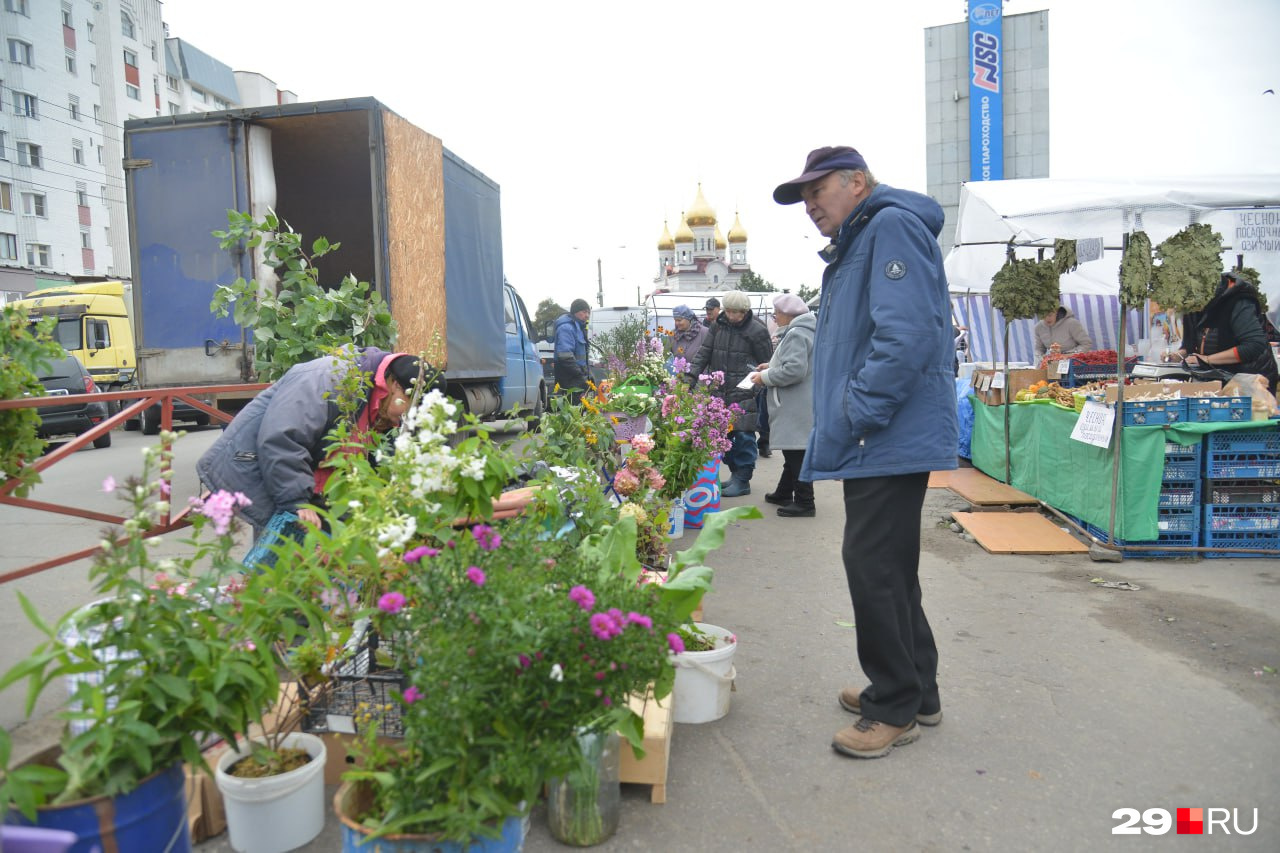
pixel 986 85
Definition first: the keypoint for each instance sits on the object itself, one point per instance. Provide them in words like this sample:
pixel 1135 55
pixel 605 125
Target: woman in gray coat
pixel 788 376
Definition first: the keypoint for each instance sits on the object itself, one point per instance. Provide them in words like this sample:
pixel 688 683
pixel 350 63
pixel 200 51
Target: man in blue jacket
pixel 571 349
pixel 883 417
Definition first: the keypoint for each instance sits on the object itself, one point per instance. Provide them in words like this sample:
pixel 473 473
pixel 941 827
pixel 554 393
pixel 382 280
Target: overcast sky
pixel 599 119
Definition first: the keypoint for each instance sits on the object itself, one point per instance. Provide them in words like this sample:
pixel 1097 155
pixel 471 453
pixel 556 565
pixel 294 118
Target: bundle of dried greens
pixel 1064 256
pixel 1251 275
pixel 1022 290
pixel 1189 270
pixel 1135 270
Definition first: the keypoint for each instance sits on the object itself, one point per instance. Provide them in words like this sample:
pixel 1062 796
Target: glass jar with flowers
pixel 162 662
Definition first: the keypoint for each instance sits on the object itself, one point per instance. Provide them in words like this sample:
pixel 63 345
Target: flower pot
pixel 704 680
pixel 274 813
pixel 355 836
pixel 582 806
pixel 153 816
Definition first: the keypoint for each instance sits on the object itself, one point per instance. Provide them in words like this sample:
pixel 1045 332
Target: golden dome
pixel 720 243
pixel 701 213
pixel 665 243
pixel 684 234
pixel 737 234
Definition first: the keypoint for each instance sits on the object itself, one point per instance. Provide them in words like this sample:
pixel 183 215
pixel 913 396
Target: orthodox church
pixel 699 257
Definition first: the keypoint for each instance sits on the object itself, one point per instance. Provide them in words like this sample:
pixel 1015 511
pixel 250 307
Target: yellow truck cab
pixel 93 325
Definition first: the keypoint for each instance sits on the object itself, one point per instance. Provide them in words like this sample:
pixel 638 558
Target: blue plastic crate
pixel 282 526
pixel 1241 539
pixel 1180 494
pixel 1153 412
pixel 1242 492
pixel 1266 440
pixel 1078 373
pixel 1178 520
pixel 1181 468
pixel 1157 547
pixel 1205 410
pixel 1223 465
pixel 1262 517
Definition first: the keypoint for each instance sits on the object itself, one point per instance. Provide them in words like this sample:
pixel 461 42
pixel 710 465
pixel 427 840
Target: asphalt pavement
pixel 1064 702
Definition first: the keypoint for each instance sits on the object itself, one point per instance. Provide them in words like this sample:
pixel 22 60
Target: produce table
pixel 1075 477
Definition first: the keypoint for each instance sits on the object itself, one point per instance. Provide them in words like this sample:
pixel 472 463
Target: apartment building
pixel 73 72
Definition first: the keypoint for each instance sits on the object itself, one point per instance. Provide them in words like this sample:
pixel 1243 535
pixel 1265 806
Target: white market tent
pixel 1034 212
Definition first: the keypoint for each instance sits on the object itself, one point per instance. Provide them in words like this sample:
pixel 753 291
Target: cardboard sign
pixel 1064 366
pixel 997 379
pixel 1094 424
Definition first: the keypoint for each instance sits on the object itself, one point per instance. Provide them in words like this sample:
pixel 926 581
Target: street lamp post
pixel 599 276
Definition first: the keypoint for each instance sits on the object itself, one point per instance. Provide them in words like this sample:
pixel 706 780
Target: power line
pixel 56 106
pixel 25 182
pixel 43 159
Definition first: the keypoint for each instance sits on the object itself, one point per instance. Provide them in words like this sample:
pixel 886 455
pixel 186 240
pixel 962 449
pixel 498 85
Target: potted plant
pixel 158 664
pixel 690 429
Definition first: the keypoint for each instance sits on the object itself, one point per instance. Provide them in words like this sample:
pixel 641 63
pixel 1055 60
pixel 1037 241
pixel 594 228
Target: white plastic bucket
pixel 704 680
pixel 274 813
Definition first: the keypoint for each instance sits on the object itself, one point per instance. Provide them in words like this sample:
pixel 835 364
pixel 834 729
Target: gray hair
pixel 846 175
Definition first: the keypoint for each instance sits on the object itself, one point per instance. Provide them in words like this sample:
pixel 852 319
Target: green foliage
pixel 753 283
pixel 174 659
pixel 1189 270
pixel 807 293
pixel 1064 256
pixel 576 436
pixel 545 316
pixel 302 319
pixel 1023 290
pixel 22 353
pixel 625 347
pixel 1135 270
pixel 1253 277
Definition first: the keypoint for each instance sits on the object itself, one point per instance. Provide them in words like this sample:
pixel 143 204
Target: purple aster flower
pixel 391 602
pixel 583 596
pixel 486 537
pixel 412 695
pixel 413 555
pixel 602 626
pixel 640 619
pixel 476 575
pixel 675 643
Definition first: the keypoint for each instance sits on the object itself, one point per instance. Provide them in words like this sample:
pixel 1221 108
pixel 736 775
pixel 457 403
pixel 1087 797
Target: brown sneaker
pixel 873 739
pixel 851 701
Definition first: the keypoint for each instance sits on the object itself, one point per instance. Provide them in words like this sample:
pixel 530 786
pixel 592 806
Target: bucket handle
pixel 728 677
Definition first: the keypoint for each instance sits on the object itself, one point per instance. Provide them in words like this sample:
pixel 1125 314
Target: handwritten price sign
pixel 1094 424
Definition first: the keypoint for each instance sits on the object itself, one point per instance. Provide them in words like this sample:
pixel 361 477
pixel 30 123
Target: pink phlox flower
pixel 166 489
pixel 584 597
pixel 109 484
pixel 330 597
pixel 668 405
pixel 675 643
pixel 219 507
pixel 411 695
pixel 680 364
pixel 640 619
pixel 413 555
pixel 486 537
pixel 391 602
pixel 642 443
pixel 476 575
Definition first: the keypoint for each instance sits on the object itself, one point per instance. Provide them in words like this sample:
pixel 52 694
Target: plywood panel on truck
pixel 415 237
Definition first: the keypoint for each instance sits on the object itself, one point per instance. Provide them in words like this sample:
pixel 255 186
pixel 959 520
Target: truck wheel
pixel 201 419
pixel 102 441
pixel 540 406
pixel 151 420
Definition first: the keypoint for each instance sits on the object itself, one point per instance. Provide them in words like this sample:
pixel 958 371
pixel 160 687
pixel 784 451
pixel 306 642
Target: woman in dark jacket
pixel 735 344
pixel 1228 333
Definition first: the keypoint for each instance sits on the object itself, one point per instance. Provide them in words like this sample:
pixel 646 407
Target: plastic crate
pixel 1178 520
pixel 1242 492
pixel 357 685
pixel 1205 410
pixel 1266 440
pixel 1222 465
pixel 1153 412
pixel 1241 539
pixel 1180 494
pixel 1078 373
pixel 1181 462
pixel 1156 547
pixel 1262 517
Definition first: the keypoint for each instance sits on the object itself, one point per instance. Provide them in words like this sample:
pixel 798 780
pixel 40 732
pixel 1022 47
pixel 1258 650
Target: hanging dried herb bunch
pixel 1250 275
pixel 1135 270
pixel 1064 256
pixel 1023 290
pixel 1189 270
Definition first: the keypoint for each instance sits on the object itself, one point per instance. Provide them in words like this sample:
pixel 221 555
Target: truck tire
pixel 102 441
pixel 151 420
pixel 201 419
pixel 540 406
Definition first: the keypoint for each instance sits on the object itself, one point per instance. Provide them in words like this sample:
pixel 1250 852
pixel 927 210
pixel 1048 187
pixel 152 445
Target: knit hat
pixel 579 305
pixel 683 312
pixel 404 370
pixel 736 300
pixel 789 304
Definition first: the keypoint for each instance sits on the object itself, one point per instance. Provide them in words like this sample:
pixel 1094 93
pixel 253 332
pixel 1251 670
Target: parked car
pixel 65 377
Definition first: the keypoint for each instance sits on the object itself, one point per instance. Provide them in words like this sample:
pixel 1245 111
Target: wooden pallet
pixel 652 769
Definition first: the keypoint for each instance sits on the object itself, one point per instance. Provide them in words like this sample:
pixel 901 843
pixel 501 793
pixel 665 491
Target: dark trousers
pixel 789 484
pixel 741 457
pixel 881 553
pixel 762 415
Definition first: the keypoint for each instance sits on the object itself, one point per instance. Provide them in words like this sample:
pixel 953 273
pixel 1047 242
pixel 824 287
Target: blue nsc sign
pixel 986 87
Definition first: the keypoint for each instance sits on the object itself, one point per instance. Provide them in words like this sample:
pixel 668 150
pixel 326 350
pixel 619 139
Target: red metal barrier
pixel 143 399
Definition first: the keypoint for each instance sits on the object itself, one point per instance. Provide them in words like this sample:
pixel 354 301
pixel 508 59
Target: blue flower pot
pixel 355 837
pixel 152 816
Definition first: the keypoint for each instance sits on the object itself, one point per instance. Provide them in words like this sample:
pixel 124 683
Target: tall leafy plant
pixel 300 319
pixel 24 349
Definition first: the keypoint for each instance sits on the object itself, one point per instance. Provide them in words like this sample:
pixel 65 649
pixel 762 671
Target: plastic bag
pixel 1253 385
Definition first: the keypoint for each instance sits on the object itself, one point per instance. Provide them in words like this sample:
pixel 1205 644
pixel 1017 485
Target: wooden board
pixel 979 489
pixel 652 769
pixel 1018 533
pixel 940 479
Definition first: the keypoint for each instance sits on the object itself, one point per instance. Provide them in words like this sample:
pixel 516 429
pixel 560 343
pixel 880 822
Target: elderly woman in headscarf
pixel 689 333
pixel 788 378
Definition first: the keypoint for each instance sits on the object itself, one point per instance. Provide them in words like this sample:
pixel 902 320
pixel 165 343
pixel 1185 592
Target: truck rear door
pixel 181 181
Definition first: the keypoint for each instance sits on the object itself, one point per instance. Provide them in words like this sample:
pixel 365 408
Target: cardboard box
pixel 986 384
pixel 1139 390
